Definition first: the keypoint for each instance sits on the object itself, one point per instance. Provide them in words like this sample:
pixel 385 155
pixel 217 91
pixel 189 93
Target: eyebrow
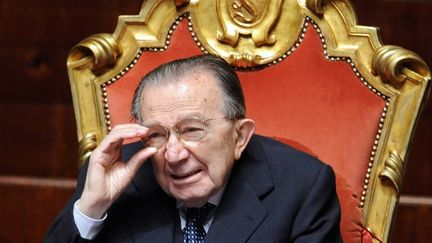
pixel 181 118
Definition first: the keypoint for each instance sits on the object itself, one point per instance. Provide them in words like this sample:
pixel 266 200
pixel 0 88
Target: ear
pixel 244 128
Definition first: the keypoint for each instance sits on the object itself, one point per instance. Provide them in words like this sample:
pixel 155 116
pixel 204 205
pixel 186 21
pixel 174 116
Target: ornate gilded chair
pixel 312 77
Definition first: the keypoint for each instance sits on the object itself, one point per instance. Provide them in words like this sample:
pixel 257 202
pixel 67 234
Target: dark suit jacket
pixel 275 194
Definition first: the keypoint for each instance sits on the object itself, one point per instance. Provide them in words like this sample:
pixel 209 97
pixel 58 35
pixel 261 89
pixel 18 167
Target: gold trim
pixel 130 66
pixel 317 6
pixel 181 3
pixel 108 83
pixel 257 39
pixel 101 49
pixel 393 170
pixel 389 61
pixel 374 151
pixel 86 146
pixel 247 18
pixel 378 135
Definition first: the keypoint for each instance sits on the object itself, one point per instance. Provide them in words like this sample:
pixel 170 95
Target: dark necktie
pixel 194 231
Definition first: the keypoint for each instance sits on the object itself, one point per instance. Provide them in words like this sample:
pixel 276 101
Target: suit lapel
pixel 241 210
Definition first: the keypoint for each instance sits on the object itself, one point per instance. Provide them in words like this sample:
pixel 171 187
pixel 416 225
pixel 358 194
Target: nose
pixel 175 150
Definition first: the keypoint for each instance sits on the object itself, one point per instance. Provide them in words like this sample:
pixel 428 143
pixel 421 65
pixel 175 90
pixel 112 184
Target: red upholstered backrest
pixel 120 93
pixel 318 105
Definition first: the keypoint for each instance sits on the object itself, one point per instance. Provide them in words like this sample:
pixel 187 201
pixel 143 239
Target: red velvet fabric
pixel 120 93
pixel 319 104
pixel 368 237
pixel 351 224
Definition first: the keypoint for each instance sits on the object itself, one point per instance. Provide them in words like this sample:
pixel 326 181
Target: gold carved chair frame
pixel 248 39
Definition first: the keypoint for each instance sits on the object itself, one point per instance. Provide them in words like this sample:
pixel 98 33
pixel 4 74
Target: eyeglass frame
pixel 178 133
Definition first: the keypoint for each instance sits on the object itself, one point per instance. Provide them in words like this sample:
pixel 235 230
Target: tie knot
pixel 199 215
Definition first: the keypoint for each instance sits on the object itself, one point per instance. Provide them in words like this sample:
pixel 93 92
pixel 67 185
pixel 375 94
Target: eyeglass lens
pixel 192 129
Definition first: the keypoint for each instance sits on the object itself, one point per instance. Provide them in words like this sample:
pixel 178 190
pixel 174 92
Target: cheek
pixel 219 160
pixel 159 167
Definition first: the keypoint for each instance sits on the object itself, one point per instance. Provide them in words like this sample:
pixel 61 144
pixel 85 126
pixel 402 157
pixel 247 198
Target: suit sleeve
pixel 319 217
pixel 63 229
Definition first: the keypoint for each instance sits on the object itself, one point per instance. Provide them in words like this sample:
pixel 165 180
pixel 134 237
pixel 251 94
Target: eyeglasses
pixel 190 129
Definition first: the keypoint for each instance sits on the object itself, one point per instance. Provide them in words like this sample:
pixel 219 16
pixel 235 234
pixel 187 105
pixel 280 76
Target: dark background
pixel 38 142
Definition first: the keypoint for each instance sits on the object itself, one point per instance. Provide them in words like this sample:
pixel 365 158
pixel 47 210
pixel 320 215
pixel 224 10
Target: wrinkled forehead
pixel 195 92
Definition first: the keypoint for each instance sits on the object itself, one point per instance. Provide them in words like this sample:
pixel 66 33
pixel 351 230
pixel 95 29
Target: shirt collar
pixel 215 199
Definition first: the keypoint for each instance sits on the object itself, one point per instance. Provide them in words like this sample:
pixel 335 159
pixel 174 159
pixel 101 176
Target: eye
pixel 156 135
pixel 191 130
pixel 156 132
pixel 192 133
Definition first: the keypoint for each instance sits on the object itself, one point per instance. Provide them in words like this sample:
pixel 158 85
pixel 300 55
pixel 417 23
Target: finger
pixel 138 159
pixel 127 131
pixel 115 138
pixel 126 125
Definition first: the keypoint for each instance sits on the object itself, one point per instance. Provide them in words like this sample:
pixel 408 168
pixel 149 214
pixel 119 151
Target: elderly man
pixel 200 174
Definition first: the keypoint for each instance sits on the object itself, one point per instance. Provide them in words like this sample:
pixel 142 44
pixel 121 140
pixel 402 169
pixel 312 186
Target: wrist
pixel 92 208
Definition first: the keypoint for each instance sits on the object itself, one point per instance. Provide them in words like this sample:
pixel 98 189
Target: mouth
pixel 184 176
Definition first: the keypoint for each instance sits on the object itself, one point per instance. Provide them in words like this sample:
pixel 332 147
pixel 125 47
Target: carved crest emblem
pixel 249 18
pixel 247 33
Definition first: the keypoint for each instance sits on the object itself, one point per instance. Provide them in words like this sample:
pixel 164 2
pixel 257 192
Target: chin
pixel 192 198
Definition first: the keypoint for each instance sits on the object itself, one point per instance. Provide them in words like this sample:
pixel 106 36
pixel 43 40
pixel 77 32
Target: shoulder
pixel 287 165
pixel 277 153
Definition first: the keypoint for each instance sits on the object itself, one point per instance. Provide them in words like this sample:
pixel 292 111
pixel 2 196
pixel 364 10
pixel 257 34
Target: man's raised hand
pixel 107 175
